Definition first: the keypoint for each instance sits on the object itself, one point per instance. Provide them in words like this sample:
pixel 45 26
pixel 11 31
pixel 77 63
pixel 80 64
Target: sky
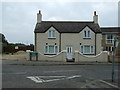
pixel 18 19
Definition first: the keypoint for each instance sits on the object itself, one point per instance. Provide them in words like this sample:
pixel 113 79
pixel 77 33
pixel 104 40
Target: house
pixel 13 48
pixel 53 37
pixel 108 34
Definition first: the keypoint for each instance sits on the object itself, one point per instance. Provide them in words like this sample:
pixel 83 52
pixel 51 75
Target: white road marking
pixel 38 79
pixel 109 84
pixel 16 73
pixel 61 71
pixel 73 76
pixel 51 76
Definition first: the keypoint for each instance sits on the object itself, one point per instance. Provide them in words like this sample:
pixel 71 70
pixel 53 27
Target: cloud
pixel 19 19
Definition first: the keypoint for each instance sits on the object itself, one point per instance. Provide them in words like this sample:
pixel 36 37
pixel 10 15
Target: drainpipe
pixel 60 43
pixel 35 43
pixel 95 43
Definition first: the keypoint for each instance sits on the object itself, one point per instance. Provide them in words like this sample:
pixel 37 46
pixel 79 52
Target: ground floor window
pixel 109 48
pixel 86 49
pixel 51 49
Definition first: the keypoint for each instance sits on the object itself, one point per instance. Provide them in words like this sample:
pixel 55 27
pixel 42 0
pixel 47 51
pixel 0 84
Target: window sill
pixel 86 37
pixel 87 54
pixel 109 43
pixel 50 54
pixel 51 37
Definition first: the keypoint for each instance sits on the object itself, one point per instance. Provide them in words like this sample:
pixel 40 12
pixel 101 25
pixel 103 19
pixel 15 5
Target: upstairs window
pixel 51 34
pixel 109 38
pixel 86 34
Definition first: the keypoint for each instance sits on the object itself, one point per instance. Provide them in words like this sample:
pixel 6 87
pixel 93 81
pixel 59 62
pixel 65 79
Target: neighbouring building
pixel 52 37
pixel 108 34
pixel 13 48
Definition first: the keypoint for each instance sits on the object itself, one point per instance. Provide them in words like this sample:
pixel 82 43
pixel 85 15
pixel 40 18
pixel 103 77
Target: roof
pixel 110 29
pixel 66 26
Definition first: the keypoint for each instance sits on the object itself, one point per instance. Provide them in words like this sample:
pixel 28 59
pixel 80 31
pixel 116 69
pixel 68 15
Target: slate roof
pixel 66 26
pixel 110 29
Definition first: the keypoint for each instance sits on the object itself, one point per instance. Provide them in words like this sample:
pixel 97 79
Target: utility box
pixel 33 56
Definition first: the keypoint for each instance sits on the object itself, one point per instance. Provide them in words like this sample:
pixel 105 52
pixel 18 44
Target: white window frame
pixel 51 33
pixel 82 49
pixel 109 39
pixel 109 48
pixel 88 35
pixel 48 52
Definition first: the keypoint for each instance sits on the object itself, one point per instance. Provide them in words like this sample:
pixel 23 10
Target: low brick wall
pixel 61 57
pixel 102 57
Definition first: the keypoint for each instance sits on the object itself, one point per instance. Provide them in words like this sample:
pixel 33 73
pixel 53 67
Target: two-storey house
pixel 52 37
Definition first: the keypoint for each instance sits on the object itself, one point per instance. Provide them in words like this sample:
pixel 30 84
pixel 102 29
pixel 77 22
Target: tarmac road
pixel 56 76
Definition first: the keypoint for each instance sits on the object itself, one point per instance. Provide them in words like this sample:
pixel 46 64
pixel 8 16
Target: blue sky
pixel 19 18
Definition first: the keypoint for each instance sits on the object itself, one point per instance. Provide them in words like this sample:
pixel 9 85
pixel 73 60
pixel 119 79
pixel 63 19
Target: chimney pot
pixel 94 13
pixel 39 11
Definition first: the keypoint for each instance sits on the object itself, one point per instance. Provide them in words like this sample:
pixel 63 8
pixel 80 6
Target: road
pixel 54 76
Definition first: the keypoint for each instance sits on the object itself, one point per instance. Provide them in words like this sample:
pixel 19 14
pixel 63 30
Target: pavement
pixel 35 63
pixel 19 69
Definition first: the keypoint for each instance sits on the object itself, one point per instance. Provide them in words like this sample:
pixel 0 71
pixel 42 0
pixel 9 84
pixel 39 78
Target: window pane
pixel 92 51
pixel 46 49
pixel 86 49
pixel 85 34
pixel 88 33
pixel 109 41
pixel 56 49
pixel 51 49
pixel 81 49
pixel 106 48
pixel 109 36
pixel 49 34
pixel 53 33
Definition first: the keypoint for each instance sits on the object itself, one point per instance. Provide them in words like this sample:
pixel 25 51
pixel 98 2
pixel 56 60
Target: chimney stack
pixel 95 17
pixel 39 17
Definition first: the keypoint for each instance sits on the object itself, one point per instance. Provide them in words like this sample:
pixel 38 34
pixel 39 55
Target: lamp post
pixel 116 39
pixel 113 73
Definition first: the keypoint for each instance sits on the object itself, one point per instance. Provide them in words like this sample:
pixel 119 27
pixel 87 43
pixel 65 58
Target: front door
pixel 69 52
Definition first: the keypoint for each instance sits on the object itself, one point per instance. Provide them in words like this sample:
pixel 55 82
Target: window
pixel 109 38
pixel 51 34
pixel 86 34
pixel 109 48
pixel 87 49
pixel 51 49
